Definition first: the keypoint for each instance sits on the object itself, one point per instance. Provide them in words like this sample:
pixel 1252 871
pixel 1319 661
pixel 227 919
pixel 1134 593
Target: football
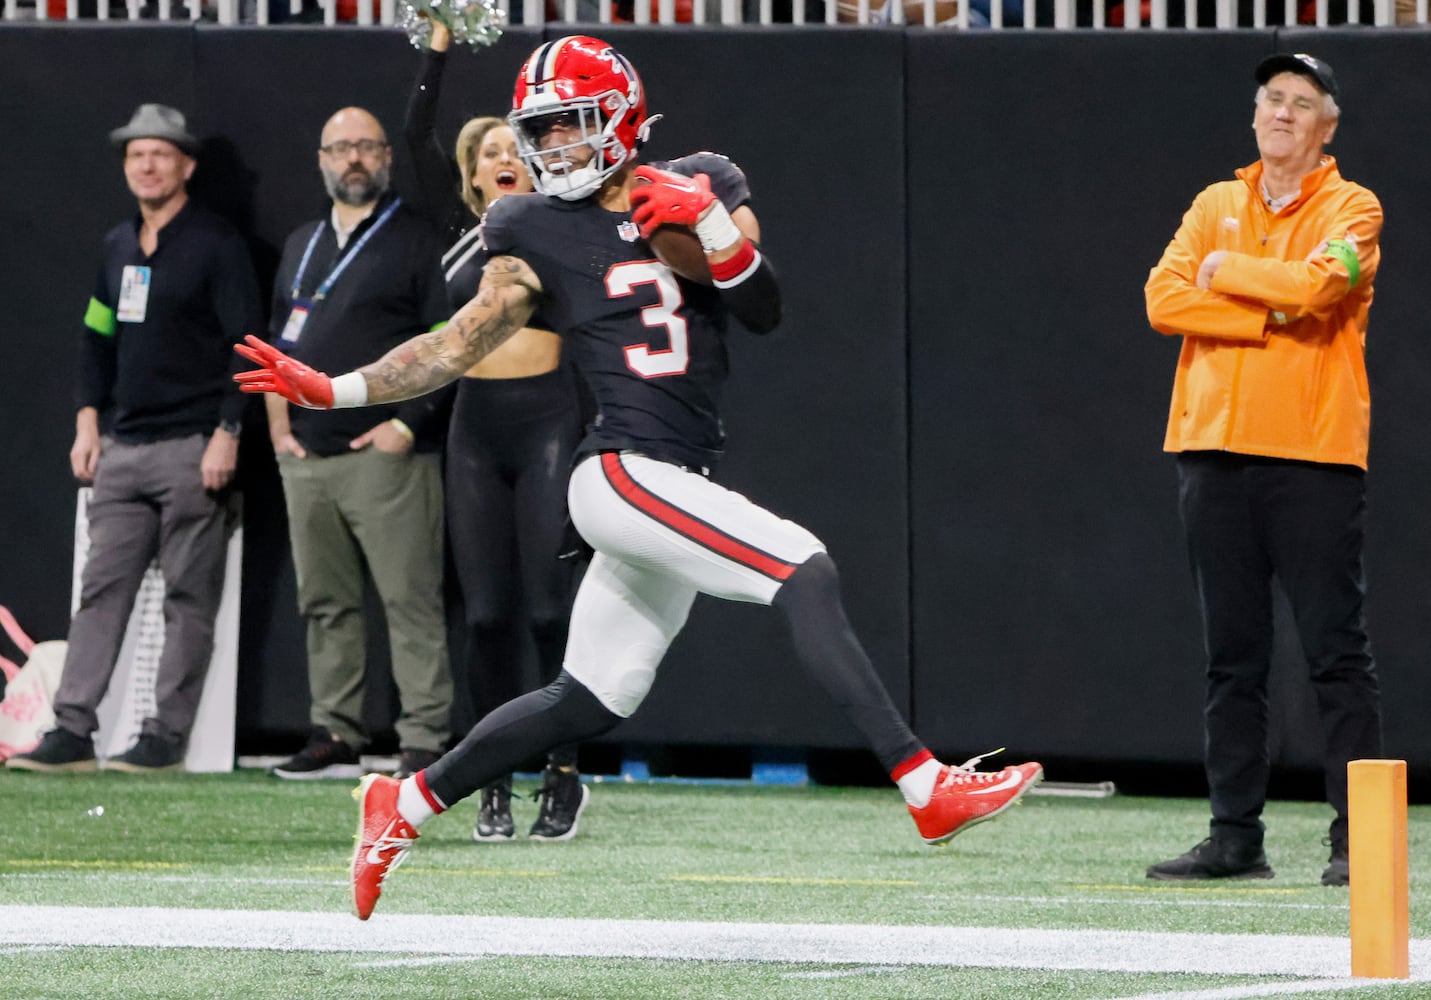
pixel 679 249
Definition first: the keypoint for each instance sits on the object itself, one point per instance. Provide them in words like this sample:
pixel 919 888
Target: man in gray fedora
pixel 156 432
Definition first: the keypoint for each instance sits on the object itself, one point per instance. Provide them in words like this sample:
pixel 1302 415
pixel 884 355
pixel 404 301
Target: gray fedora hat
pixel 156 121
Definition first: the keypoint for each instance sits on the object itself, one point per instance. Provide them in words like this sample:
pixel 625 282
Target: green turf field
pixel 235 886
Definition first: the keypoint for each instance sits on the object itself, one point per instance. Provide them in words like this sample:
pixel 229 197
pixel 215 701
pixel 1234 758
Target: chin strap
pixel 643 134
pixel 572 186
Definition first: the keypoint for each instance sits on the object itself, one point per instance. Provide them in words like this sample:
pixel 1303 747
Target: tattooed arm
pixel 504 302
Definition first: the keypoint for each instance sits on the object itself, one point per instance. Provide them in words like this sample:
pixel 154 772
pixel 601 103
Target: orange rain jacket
pixel 1246 382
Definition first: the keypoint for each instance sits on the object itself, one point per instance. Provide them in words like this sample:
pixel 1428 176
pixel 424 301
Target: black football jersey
pixel 462 267
pixel 651 345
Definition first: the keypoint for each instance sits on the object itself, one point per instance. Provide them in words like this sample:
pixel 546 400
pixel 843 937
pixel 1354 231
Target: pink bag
pixel 27 711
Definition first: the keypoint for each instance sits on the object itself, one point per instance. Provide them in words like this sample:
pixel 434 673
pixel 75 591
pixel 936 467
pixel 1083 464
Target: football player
pixel 652 347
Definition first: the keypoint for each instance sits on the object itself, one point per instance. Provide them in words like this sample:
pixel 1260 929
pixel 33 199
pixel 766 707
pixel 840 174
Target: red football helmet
pixel 589 90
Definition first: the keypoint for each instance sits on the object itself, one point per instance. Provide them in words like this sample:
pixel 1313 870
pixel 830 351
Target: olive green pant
pixel 384 510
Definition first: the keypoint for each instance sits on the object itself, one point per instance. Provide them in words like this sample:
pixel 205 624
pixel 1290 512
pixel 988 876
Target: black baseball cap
pixel 1309 66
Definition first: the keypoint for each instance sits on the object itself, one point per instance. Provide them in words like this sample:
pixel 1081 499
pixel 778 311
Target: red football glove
pixel 277 372
pixel 668 199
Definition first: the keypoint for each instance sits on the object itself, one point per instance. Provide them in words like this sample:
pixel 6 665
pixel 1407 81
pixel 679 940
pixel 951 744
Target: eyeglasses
pixel 365 147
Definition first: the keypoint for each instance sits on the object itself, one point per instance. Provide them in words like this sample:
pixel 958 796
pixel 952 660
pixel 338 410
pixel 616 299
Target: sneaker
pixel 1212 859
pixel 563 799
pixel 494 819
pixel 412 761
pixel 325 756
pixel 1338 870
pixel 151 754
pixel 383 840
pixel 963 796
pixel 58 750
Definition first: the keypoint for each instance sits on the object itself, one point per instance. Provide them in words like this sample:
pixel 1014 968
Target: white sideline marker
pixel 397 935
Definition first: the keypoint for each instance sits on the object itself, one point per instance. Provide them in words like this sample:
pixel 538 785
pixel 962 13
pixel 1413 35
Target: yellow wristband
pixel 403 429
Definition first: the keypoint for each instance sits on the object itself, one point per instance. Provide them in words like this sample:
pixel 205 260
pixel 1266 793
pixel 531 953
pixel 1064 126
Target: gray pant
pixel 386 510
pixel 149 499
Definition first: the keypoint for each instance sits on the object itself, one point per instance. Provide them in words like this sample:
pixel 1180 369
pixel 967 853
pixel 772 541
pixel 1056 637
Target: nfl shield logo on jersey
pixel 628 231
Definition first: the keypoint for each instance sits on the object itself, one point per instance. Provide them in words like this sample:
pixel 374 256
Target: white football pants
pixel 662 535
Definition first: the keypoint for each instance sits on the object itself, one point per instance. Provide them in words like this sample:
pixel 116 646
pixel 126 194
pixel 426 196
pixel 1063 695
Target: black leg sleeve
pixel 562 712
pixel 827 646
pixel 551 646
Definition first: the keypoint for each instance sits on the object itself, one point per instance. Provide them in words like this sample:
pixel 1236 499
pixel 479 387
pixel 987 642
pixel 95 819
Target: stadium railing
pixel 948 14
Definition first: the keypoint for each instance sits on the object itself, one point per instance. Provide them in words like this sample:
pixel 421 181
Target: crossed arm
pixel 1227 295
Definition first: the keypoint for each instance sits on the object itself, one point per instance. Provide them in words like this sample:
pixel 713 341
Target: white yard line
pixel 1163 895
pixel 404 936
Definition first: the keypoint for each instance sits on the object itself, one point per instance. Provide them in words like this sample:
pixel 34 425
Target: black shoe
pixel 563 798
pixel 151 754
pixel 1215 859
pixel 1338 865
pixel 494 819
pixel 59 750
pixel 325 756
pixel 412 761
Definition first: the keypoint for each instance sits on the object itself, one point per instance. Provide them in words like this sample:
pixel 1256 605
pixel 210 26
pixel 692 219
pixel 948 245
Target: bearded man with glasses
pixel 363 488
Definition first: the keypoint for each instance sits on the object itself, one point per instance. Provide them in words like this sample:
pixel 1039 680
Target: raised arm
pixel 436 173
pixel 503 304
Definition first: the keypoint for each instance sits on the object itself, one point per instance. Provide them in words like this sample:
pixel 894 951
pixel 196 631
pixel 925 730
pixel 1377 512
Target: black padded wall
pixel 64 91
pixel 815 412
pixel 1053 607
pixel 1051 603
pixel 965 401
pixel 1384 137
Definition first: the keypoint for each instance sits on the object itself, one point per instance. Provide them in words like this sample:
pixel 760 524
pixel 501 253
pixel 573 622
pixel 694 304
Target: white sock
pixel 917 786
pixel 412 805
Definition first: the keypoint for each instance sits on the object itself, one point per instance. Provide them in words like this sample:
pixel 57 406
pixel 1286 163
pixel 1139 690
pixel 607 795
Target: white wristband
pixel 717 231
pixel 350 390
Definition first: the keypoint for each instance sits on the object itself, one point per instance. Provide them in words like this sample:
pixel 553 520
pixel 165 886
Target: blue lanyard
pixel 327 285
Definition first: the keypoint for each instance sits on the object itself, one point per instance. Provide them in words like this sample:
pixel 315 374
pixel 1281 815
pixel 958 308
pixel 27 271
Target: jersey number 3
pixel 643 359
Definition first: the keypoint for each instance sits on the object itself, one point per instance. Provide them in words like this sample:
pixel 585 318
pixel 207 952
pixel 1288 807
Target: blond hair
pixel 469 140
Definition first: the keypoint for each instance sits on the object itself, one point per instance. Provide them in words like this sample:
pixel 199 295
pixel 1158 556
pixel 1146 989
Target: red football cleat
pixel 963 797
pixel 384 838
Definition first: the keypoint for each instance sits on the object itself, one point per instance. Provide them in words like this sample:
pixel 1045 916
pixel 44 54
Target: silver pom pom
pixel 477 23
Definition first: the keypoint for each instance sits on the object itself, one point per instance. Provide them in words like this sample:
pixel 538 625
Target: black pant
pixel 1250 519
pixel 509 453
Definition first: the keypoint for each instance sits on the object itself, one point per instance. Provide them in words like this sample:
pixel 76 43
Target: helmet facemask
pixel 595 119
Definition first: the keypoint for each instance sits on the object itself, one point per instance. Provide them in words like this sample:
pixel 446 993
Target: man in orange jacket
pixel 1269 281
